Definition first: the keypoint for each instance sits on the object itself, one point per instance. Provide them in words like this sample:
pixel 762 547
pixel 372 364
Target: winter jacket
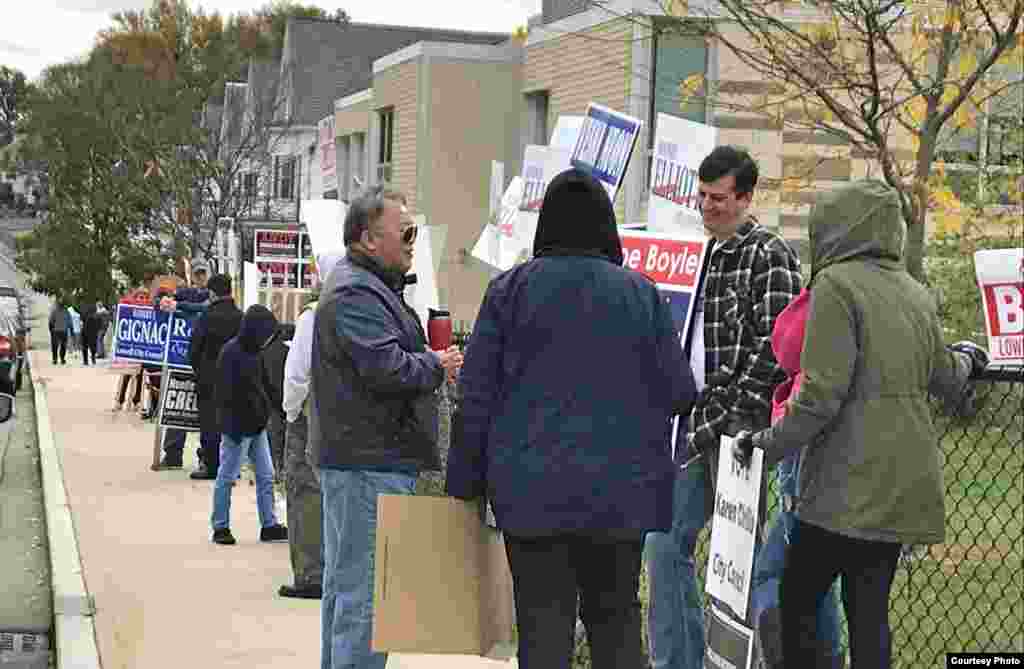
pixel 210 333
pixel 274 356
pixel 373 380
pixel 873 349
pixel 242 400
pixel 59 319
pixel 572 373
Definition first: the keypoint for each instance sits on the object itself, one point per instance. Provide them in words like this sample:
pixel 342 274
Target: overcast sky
pixel 37 33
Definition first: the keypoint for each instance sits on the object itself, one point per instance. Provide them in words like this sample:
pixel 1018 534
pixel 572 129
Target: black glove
pixel 743 447
pixel 978 355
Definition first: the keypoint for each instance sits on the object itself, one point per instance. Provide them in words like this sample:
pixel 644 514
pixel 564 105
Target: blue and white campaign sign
pixel 141 335
pixel 605 145
pixel 679 148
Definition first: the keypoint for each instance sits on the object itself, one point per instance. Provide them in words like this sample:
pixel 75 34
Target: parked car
pixel 14 306
pixel 12 356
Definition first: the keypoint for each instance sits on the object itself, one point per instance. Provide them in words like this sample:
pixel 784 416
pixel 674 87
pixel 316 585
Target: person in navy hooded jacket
pixel 571 376
pixel 243 409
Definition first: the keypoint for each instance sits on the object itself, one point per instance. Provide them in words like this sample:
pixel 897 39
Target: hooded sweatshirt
pixel 243 402
pixel 571 375
pixel 872 351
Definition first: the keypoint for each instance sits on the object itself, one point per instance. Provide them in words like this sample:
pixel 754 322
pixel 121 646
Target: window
pixel 386 121
pixel 537 118
pixel 249 184
pixel 284 177
pixel 985 159
pixel 676 58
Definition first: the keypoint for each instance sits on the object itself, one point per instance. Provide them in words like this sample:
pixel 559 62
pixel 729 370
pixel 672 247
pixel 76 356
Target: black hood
pixel 577 218
pixel 258 326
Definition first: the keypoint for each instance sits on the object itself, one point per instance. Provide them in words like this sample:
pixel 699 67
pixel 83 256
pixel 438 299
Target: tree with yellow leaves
pixel 886 77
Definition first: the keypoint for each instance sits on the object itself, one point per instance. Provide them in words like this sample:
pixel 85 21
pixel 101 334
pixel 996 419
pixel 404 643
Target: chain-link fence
pixel 964 595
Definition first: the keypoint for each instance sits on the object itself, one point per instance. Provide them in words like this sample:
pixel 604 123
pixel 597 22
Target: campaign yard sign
pixel 534 183
pixel 674 264
pixel 730 645
pixel 141 335
pixel 1001 281
pixel 605 145
pixel 679 148
pixel 180 403
pixel 734 529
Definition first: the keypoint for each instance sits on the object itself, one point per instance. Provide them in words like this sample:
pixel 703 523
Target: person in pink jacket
pixel 787 344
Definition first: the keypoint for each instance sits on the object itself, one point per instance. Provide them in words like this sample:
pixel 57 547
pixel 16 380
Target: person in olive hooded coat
pixel 572 373
pixel 870 470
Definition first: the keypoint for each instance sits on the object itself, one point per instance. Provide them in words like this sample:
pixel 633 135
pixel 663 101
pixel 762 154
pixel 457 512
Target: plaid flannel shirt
pixel 749 280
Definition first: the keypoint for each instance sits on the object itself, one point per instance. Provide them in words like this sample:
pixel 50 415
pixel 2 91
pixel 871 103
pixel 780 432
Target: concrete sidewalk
pixel 165 596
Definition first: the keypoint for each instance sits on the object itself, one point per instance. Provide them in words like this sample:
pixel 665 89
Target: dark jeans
pixel 815 558
pixel 548 573
pixel 88 348
pixel 122 388
pixel 59 345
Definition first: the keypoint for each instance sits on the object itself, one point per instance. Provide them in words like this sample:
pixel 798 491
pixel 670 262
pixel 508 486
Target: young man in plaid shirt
pixel 750 276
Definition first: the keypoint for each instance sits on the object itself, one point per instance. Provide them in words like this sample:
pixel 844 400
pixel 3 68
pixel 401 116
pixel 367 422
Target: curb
pixel 73 607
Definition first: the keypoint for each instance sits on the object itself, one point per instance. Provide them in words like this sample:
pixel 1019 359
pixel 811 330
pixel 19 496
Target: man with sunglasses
pixel 750 276
pixel 374 411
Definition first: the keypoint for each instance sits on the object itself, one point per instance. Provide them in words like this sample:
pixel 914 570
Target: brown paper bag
pixel 442 580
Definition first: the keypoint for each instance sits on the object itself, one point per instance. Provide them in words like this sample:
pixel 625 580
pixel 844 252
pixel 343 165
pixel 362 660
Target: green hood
pixel 861 219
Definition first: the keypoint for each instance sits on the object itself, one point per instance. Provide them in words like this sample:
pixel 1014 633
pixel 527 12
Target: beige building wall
pixel 353 119
pixel 398 87
pixel 474 119
pixel 576 68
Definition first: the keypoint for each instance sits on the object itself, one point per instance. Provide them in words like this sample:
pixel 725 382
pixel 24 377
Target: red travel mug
pixel 439 329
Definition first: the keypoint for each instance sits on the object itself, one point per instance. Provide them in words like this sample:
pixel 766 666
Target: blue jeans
pixel 350 541
pixel 230 464
pixel 771 559
pixel 676 616
pixel 675 622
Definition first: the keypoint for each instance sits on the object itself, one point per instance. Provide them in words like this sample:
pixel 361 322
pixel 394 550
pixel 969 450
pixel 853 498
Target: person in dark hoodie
pixel 572 374
pixel 211 330
pixel 243 407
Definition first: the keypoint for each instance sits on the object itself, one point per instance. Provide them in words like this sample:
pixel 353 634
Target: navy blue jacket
pixel 572 373
pixel 243 405
pixel 373 379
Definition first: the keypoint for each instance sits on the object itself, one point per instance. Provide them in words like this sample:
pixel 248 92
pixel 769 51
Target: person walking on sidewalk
pixel 210 332
pixel 302 483
pixel 59 319
pixel 374 411
pixel 90 332
pixel 101 337
pixel 243 410
pixel 74 329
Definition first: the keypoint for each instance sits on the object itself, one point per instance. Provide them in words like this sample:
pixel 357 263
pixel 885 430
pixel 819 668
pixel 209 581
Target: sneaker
pixel 301 591
pixel 203 474
pixel 117 407
pixel 274 533
pixel 223 537
pixel 168 463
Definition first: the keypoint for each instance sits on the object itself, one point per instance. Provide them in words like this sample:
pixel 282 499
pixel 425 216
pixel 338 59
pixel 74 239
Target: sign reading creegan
pixel 180 402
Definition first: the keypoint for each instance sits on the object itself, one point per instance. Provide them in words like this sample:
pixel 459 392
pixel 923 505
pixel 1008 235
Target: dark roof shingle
pixel 330 60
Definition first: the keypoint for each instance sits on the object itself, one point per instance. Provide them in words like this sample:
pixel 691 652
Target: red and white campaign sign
pixel 1001 280
pixel 674 264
